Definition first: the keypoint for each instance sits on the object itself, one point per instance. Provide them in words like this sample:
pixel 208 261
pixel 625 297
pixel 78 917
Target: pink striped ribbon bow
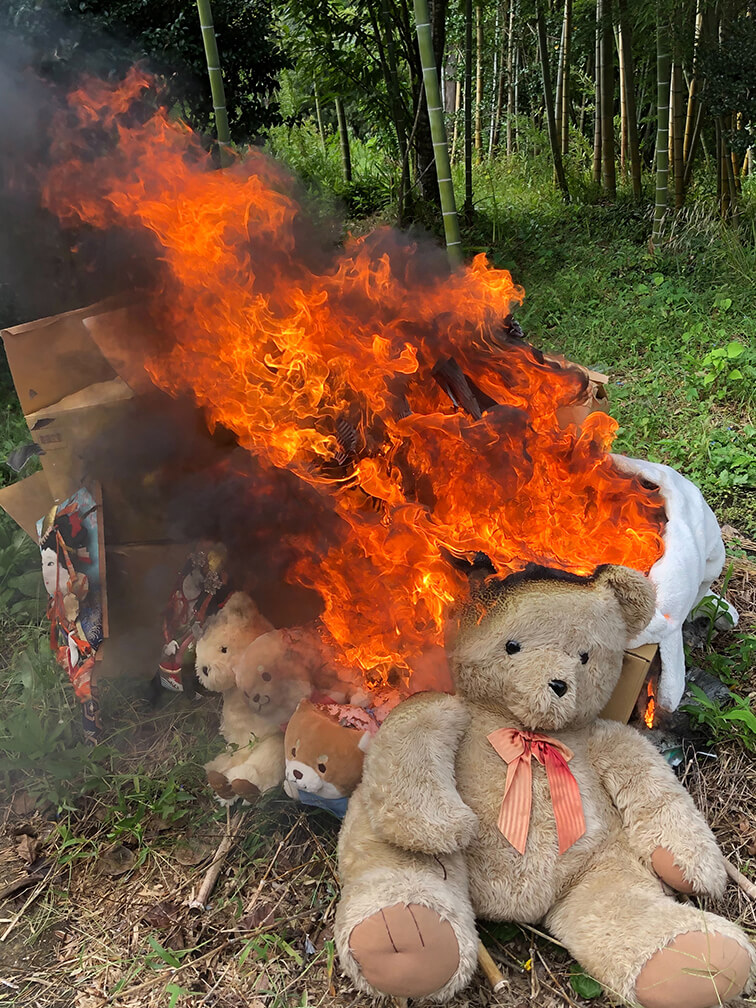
pixel 516 748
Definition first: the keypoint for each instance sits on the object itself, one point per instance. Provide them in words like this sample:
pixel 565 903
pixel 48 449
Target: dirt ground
pixel 94 902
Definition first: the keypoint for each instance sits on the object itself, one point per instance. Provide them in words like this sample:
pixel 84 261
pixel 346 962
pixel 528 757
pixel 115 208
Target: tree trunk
pixel 663 63
pixel 319 116
pixel 692 88
pixel 495 85
pixel 438 130
pixel 608 177
pixel 596 169
pixel 478 79
pixel 559 92
pixel 346 155
pixel 216 81
pixel 548 98
pixel 626 35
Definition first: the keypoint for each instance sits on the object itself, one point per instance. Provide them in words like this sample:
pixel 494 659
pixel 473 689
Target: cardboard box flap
pixel 636 666
pixel 54 358
pixel 27 501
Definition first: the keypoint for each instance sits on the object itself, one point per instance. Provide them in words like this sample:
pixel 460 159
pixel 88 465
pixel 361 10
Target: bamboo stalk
pixel 478 80
pixel 676 101
pixel 511 108
pixel 548 99
pixel 438 134
pixel 565 123
pixel 346 156
pixel 216 81
pixel 468 137
pixel 608 176
pixel 489 968
pixel 626 35
pixel 596 168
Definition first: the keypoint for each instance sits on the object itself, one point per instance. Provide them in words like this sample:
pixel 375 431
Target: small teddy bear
pixel 511 800
pixel 225 637
pixel 325 744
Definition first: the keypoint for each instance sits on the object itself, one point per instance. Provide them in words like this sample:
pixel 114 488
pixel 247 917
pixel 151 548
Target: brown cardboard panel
pixel 27 501
pixel 635 668
pixel 140 581
pixel 54 358
pixel 111 332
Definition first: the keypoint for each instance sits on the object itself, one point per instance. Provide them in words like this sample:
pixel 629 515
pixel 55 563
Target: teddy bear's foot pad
pixel 405 950
pixel 245 789
pixel 696 970
pixel 220 784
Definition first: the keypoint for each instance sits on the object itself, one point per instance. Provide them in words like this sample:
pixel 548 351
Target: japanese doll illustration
pixel 71 570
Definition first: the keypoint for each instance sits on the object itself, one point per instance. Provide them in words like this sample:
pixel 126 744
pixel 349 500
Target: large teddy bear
pixel 511 801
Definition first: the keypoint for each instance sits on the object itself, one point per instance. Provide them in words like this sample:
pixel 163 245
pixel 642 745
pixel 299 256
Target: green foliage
pixel 318 163
pixel 583 985
pixel 728 68
pixel 734 722
pixel 22 593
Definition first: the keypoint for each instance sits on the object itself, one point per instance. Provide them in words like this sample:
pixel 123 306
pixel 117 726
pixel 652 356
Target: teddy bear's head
pixel 224 637
pixel 544 648
pixel 277 670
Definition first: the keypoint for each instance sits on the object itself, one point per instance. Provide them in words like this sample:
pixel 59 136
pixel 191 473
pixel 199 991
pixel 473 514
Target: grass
pixel 120 835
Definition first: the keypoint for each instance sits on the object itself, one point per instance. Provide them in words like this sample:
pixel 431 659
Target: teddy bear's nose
pixel 297 774
pixel 559 687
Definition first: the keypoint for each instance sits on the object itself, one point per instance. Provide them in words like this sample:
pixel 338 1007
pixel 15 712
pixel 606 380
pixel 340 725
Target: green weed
pixel 735 722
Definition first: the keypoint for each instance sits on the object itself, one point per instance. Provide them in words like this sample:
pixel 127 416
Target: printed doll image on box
pixel 69 550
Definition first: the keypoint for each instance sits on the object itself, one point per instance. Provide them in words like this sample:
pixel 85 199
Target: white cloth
pixel 693 557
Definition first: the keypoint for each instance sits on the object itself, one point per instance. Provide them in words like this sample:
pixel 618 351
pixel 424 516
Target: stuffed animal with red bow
pixel 513 801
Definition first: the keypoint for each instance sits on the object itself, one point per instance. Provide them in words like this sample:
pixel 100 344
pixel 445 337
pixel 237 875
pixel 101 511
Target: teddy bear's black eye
pixel 294 752
pixel 266 677
pixel 224 650
pixel 583 657
pixel 513 647
pixel 322 767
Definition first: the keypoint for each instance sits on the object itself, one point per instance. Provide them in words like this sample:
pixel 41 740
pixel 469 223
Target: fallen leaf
pixel 260 915
pixel 161 915
pixel 27 848
pixel 23 803
pixel 192 852
pixel 116 861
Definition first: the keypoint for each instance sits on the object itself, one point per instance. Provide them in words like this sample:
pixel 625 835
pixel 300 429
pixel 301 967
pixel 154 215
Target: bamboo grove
pixel 650 98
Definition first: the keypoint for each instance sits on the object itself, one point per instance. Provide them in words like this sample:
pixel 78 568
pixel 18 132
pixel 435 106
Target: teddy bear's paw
pixel 221 785
pixel 706 876
pixel 457 828
pixel 698 969
pixel 405 950
pixel 245 789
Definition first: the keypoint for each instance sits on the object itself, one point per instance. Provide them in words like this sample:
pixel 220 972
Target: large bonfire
pixel 328 371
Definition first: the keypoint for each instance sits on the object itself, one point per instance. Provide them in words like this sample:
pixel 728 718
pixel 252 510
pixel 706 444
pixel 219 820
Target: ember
pixel 379 379
pixel 650 711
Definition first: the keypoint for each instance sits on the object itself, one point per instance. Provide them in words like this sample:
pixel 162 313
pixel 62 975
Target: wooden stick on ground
pixel 199 903
pixel 492 972
pixel 739 879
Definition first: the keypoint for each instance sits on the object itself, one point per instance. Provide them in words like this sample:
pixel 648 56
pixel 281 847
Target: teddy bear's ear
pixel 241 605
pixel 634 592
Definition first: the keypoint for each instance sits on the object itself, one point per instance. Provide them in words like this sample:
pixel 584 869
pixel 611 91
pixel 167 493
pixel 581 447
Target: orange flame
pixel 291 355
pixel 650 711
